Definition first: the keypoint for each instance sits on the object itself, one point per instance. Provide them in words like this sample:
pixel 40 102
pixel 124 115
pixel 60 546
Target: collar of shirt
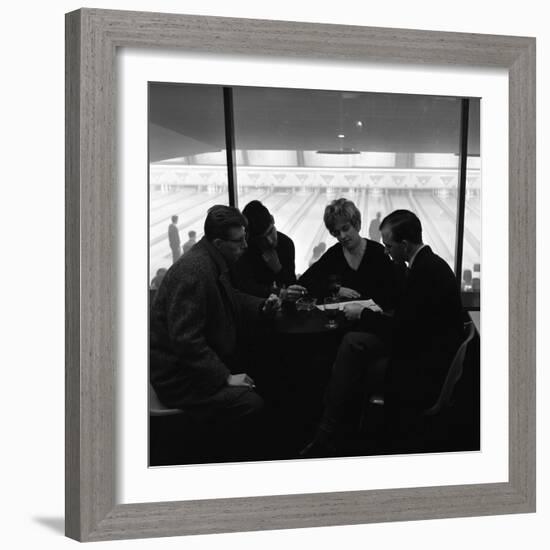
pixel 415 254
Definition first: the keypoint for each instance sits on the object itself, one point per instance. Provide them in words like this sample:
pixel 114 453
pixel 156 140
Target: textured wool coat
pixel 195 320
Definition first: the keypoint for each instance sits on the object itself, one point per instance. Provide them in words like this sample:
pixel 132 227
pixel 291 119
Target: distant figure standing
pixel 174 239
pixel 192 240
pixel 318 251
pixel 374 228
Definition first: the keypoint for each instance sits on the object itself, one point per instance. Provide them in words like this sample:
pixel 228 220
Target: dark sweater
pixel 251 274
pixel 376 277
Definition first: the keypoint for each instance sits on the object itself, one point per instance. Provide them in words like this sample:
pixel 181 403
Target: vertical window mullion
pixel 230 145
pixel 461 196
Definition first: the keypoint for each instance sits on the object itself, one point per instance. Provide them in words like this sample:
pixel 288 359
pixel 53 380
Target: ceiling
pixel 189 120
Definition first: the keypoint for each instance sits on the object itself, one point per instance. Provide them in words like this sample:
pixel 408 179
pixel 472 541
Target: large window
pixel 296 150
pixel 187 156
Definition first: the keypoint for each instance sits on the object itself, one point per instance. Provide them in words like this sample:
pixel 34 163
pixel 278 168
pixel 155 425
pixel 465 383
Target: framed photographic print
pixel 292 115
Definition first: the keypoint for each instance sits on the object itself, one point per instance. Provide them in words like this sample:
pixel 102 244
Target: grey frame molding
pixel 92 38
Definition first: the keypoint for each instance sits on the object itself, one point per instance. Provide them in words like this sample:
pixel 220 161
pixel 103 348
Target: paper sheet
pixel 366 303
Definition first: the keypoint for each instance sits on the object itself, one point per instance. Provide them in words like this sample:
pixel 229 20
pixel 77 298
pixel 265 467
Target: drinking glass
pixel 332 307
pixel 334 285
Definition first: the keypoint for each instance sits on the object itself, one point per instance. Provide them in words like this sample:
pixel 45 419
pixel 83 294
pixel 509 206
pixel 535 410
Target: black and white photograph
pixel 314 273
pixel 283 290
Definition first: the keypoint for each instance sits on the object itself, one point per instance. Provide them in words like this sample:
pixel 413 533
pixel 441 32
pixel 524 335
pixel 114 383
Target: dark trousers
pixel 359 366
pixel 229 407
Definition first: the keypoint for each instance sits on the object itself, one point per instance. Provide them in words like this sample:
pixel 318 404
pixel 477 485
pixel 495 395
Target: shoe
pixel 319 447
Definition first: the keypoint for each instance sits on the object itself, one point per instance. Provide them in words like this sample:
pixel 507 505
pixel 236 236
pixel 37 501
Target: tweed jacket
pixel 194 322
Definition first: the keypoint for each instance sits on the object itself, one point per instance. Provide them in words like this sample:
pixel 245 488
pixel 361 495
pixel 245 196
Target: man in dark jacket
pixel 270 258
pixel 417 342
pixel 195 321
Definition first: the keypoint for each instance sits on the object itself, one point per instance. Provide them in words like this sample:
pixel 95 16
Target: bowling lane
pixel 305 230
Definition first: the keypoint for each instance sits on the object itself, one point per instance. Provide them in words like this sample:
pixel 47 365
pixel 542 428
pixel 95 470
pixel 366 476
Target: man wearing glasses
pixel 195 321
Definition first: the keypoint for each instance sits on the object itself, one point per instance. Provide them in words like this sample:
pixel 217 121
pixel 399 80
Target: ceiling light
pixel 342 151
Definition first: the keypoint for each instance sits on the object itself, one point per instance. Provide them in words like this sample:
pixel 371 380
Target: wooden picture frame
pixel 92 39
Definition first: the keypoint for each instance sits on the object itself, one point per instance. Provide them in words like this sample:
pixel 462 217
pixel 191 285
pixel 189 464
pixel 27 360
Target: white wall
pixel 32 194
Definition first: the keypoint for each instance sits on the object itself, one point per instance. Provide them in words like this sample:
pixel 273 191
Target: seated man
pixel 195 322
pixel 269 259
pixel 418 341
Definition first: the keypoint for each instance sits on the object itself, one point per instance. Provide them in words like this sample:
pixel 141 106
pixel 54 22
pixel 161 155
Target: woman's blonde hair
pixel 342 208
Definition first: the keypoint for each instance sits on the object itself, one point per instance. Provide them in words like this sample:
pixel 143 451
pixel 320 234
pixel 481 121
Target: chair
pixel 167 446
pixel 177 437
pixel 156 408
pixel 454 374
pixel 466 280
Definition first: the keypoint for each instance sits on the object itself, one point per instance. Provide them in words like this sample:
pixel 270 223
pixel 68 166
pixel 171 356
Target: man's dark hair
pixel 192 234
pixel 174 219
pixel 404 226
pixel 258 217
pixel 220 219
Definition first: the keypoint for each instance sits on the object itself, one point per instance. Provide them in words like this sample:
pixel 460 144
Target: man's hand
pixel 271 305
pixel 293 292
pixel 240 380
pixel 348 293
pixel 271 258
pixel 352 312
